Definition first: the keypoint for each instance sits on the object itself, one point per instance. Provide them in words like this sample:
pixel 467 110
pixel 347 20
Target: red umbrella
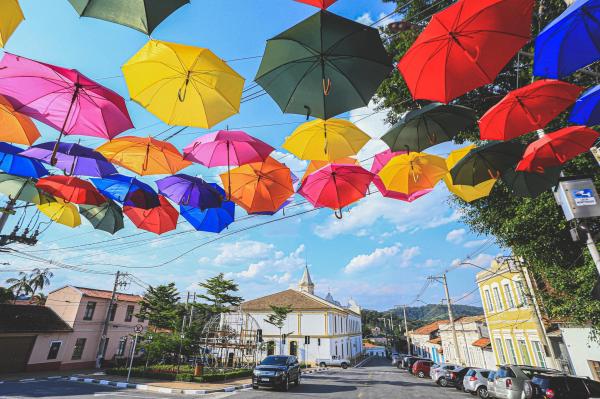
pixel 527 109
pixel 71 189
pixel 554 149
pixel 465 46
pixel 318 3
pixel 157 220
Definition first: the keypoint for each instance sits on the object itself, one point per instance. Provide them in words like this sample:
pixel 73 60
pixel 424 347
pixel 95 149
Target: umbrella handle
pixel 184 87
pixel 308 111
pixel 340 215
pixel 326 86
pixel 493 175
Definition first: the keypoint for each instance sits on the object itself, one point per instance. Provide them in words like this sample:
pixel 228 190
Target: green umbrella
pixel 107 217
pixel 324 66
pixel 530 185
pixel 142 15
pixel 433 124
pixel 23 189
pixel 486 162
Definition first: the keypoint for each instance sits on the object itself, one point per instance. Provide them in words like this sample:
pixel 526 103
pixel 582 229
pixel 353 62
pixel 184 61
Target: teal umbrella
pixel 107 217
pixel 425 127
pixel 487 162
pixel 529 184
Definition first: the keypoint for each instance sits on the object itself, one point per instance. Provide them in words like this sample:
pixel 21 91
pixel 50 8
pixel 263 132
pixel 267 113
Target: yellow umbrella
pixel 11 16
pixel 326 140
pixel 467 193
pixel 61 212
pixel 313 166
pixel 183 85
pixel 412 172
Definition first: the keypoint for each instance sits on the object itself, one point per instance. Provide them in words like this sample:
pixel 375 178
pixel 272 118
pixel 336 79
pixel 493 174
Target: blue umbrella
pixel 570 42
pixel 127 190
pixel 13 163
pixel 212 220
pixel 587 108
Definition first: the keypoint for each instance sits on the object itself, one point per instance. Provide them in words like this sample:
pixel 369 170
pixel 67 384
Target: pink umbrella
pixel 62 98
pixel 379 162
pixel 336 186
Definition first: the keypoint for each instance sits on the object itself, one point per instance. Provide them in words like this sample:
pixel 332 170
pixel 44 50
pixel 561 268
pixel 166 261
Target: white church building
pixel 333 330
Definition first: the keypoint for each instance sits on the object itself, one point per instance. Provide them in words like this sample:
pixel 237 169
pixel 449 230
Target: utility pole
pixel 102 343
pixel 182 335
pixel 406 331
pixel 442 279
pixel 6 212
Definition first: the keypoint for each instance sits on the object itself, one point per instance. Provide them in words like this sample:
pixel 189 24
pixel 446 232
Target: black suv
pixel 456 376
pixel 276 371
pixel 557 386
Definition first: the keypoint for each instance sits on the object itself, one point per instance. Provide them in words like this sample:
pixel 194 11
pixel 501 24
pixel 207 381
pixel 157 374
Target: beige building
pixel 425 341
pixel 474 347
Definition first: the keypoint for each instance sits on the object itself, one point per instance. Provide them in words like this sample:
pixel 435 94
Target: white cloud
pixel 380 257
pixel 431 263
pixel 365 19
pixel 474 243
pixel 296 165
pixel 237 252
pixel 276 261
pixel 456 236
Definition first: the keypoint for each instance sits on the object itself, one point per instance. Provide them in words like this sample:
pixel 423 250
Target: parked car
pixel 475 382
pixel 438 374
pixel 455 378
pixel 509 381
pixel 491 391
pixel 396 358
pixel 421 368
pixel 334 362
pixel 277 372
pixel 555 386
pixel 411 361
pixel 403 363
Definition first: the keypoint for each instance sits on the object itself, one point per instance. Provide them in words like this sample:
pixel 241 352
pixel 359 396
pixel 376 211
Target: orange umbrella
pixel 16 127
pixel 313 166
pixel 144 155
pixel 259 186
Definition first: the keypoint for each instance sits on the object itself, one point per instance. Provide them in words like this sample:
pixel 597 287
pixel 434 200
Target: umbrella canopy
pixel 106 217
pixel 466 193
pixel 225 148
pixel 259 186
pixel 144 155
pixel 556 148
pixel 379 163
pixel 22 189
pixel 527 109
pixel 11 161
pixel 316 165
pixel 486 162
pixel 72 159
pixel 71 189
pixel 61 211
pixel 570 42
pixel 142 15
pixel 212 220
pixel 157 220
pixel 318 3
pixel 465 46
pixel 425 127
pixel 336 186
pixel 413 172
pixel 326 140
pixel 190 191
pixel 16 127
pixel 11 16
pixel 127 190
pixel 531 184
pixel 183 85
pixel 587 108
pixel 324 66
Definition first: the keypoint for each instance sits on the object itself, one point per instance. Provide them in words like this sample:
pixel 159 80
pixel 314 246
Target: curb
pixel 25 380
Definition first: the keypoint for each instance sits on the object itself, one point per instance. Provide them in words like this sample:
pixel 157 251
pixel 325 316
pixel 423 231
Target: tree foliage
pixel 219 294
pixel 278 315
pixel 160 307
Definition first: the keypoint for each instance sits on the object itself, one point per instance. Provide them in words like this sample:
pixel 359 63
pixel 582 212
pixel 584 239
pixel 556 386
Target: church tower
pixel 306 283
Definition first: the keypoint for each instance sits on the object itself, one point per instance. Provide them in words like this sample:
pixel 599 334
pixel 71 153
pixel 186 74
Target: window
pixel 524 352
pixel 293 348
pixel 122 346
pixel 89 311
pixel 129 313
pixel 79 346
pixel 497 298
pixel 54 348
pixel 318 341
pixel 500 350
pixel 510 302
pixel 521 295
pixel 539 353
pixel 488 300
pixel 511 350
pixel 576 387
pixel 595 368
pixel 113 311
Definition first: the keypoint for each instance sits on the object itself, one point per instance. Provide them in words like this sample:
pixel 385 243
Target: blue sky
pixel 380 253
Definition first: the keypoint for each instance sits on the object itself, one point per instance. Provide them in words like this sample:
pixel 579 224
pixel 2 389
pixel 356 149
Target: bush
pixel 184 377
pixel 186 373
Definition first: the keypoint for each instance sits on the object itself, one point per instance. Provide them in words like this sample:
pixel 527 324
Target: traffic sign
pixel 138 328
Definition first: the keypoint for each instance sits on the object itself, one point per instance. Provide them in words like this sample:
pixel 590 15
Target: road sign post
pixel 137 329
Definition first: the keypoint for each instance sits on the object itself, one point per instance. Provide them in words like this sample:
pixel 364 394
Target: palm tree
pixel 39 299
pixel 20 285
pixel 38 279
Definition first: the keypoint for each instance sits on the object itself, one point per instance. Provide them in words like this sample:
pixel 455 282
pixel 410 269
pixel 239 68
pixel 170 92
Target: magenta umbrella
pixel 62 98
pixel 379 162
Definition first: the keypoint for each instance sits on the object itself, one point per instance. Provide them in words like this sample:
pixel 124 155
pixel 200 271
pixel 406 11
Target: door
pixel 502 375
pixel 15 353
pixel 293 348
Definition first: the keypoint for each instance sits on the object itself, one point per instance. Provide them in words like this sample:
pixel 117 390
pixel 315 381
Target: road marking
pixel 124 395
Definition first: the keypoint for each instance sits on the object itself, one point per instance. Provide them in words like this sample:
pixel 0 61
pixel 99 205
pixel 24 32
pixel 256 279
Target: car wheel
pixel 254 386
pixel 322 364
pixel 483 393
pixel 443 382
pixel 344 366
pixel 421 374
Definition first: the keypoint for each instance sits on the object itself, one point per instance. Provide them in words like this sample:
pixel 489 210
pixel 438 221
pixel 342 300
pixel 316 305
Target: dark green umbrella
pixel 324 66
pixel 142 15
pixel 107 217
pixel 425 127
pixel 530 185
pixel 486 162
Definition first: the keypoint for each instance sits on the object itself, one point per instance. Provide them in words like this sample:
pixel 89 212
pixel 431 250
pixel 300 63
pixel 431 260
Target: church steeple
pixel 306 283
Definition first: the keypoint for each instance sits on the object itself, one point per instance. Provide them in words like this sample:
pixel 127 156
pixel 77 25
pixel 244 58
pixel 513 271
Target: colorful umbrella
pixel 379 163
pixel 106 217
pixel 570 42
pixel 11 16
pixel 530 184
pixel 71 189
pixel 326 140
pixel 465 46
pixel 22 189
pixel 62 98
pixel 324 66
pixel 425 127
pixel 183 85
pixel 316 165
pixel 190 191
pixel 157 220
pixel 587 108
pixel 556 148
pixel 142 15
pixel 61 212
pixel 466 193
pixel 212 220
pixel 12 161
pixel 413 172
pixel 127 190
pixel 259 186
pixel 527 109
pixel 72 159
pixel 336 186
pixel 323 4
pixel 16 127
pixel 144 155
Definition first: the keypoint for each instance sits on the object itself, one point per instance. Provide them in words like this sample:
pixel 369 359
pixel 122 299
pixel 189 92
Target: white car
pixel 438 374
pixel 335 362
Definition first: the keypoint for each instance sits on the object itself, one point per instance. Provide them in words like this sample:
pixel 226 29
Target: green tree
pixel 6 295
pixel 38 279
pixel 277 318
pixel 20 285
pixel 218 295
pixel 160 307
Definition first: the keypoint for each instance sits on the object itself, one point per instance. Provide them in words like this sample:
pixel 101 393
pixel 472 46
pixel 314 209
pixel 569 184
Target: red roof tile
pixel 104 294
pixel 429 328
pixel 482 342
pixel 436 341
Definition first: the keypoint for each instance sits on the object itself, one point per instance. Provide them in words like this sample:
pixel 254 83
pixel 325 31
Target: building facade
pixel 425 342
pixel 583 349
pixel 474 347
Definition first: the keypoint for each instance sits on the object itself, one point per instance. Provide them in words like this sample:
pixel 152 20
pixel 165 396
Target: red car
pixel 421 368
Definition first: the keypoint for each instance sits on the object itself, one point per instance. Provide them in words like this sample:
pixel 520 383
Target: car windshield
pixel 275 361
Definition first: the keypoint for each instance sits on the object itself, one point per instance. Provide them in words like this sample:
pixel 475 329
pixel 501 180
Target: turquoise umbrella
pixel 107 217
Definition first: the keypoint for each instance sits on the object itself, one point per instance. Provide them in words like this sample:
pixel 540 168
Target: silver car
pixel 475 382
pixel 509 380
pixel 438 374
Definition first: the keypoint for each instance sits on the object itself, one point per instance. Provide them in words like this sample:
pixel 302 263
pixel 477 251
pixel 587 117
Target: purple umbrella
pixel 189 191
pixel 73 159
